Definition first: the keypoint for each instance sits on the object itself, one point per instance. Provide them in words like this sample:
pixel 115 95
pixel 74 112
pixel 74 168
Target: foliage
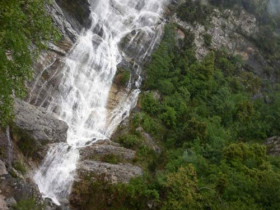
pixel 207 40
pixel 25 27
pixel 210 129
pixel 111 158
pixel 19 166
pixel 129 141
pixel 182 189
pixel 25 142
pixel 194 12
pixel 122 77
pixel 28 204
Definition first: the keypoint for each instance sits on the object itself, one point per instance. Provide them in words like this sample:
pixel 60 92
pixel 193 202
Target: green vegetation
pixel 207 120
pixel 122 77
pixel 111 158
pixel 207 40
pixel 28 204
pixel 25 27
pixel 194 12
pixel 211 133
pixel 19 166
pixel 27 145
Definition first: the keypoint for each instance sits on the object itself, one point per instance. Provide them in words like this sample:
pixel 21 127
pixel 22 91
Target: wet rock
pixel 61 21
pixel 77 12
pixel 273 146
pixel 38 124
pixel 3 170
pixel 113 173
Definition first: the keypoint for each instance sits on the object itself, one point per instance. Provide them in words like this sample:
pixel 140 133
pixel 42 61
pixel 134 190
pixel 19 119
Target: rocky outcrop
pixel 149 141
pixel 230 30
pixel 273 146
pixel 61 21
pixel 112 173
pixel 15 175
pixel 99 151
pixel 70 17
pixel 108 159
pixel 38 124
pixel 227 29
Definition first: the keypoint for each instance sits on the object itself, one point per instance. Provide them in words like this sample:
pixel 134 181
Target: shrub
pixel 207 40
pixel 122 77
pixel 129 141
pixel 19 166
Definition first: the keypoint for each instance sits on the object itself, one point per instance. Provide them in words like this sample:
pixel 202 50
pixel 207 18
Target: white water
pixel 10 146
pixel 87 77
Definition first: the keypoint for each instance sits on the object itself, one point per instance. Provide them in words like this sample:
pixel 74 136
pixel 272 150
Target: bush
pixel 149 104
pixel 122 77
pixel 19 166
pixel 207 40
pixel 194 12
pixel 28 205
pixel 129 141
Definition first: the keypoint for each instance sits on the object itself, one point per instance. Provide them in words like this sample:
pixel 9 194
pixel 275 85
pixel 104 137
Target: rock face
pixel 38 124
pixel 229 30
pixel 77 12
pixel 273 146
pixel 70 16
pixel 112 172
pixel 61 21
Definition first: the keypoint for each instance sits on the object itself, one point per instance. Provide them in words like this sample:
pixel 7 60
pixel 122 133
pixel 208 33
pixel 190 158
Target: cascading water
pixel 88 74
pixel 10 146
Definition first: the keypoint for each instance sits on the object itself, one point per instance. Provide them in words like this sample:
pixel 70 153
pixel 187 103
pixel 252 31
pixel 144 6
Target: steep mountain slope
pixel 203 135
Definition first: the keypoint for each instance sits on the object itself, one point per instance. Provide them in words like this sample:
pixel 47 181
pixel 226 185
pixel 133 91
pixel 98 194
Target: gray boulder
pixel 100 150
pixel 112 173
pixel 38 123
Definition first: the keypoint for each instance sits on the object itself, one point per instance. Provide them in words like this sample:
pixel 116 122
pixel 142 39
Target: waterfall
pixel 10 146
pixel 117 27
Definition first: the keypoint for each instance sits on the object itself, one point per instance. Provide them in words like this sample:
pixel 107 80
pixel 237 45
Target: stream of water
pixel 88 74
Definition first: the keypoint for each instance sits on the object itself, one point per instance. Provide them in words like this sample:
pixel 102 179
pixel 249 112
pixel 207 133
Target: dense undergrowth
pixel 211 129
